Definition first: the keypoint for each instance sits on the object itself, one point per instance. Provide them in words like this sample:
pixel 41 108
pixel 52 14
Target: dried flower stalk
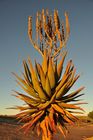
pixel 50 33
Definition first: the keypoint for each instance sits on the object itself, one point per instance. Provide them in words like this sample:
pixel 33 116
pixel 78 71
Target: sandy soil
pixel 80 132
pixel 10 132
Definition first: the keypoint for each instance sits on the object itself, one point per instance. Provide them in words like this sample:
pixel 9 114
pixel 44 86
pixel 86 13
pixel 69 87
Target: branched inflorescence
pixel 50 32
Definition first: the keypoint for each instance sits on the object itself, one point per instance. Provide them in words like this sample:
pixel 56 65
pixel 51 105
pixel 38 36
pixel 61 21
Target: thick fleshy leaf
pixel 71 99
pixel 58 109
pixel 42 75
pixel 69 106
pixel 47 87
pixel 25 98
pixel 61 130
pixel 75 92
pixel 28 125
pixel 60 66
pixel 29 90
pixel 27 72
pixel 51 74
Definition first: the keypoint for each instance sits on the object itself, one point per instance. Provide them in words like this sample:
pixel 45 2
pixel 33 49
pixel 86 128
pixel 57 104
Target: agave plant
pixel 49 104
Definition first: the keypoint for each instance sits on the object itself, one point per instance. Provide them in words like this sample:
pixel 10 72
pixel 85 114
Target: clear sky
pixel 15 45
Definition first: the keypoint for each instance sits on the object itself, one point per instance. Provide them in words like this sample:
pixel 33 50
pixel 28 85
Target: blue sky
pixel 15 45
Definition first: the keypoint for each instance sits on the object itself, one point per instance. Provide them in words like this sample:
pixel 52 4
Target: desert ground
pixel 9 131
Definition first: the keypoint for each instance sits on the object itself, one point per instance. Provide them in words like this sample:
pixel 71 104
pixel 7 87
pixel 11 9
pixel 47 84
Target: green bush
pixel 90 114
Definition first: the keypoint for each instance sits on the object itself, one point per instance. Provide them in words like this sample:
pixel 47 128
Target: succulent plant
pixel 49 104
